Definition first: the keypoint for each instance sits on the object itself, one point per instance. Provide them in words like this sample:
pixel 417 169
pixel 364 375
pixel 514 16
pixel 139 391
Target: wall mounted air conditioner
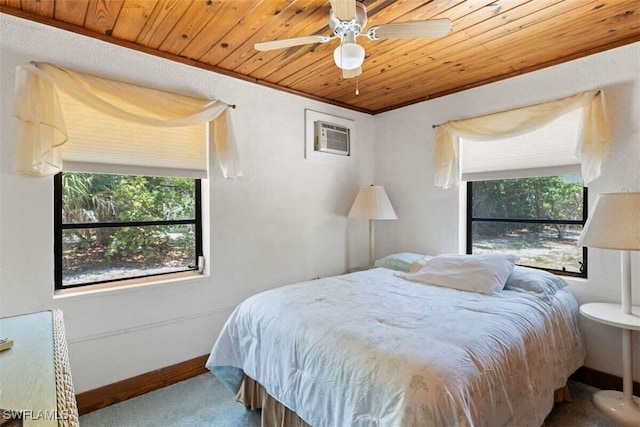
pixel 332 138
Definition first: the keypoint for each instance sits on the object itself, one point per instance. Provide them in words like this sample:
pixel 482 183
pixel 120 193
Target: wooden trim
pixel 120 391
pixel 166 55
pixel 601 380
pixel 110 394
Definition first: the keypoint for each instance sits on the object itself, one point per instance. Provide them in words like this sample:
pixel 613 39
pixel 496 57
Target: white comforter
pixel 372 349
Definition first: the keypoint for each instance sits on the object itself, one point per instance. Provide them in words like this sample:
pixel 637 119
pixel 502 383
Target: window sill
pixel 576 280
pixel 130 285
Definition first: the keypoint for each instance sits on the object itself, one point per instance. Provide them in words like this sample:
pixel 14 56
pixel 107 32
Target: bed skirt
pixel 274 414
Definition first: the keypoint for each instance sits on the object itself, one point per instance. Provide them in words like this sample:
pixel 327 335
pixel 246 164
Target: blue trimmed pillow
pixel 535 282
pixel 401 261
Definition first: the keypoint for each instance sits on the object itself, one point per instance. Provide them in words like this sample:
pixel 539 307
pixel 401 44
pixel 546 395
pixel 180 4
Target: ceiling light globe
pixel 349 56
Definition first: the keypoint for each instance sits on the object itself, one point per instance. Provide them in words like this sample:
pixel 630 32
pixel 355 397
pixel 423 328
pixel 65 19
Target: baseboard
pixel 92 400
pixel 602 380
pixel 131 387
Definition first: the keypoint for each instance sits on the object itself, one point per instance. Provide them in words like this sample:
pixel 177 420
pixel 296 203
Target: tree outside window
pixel 113 227
pixel 539 219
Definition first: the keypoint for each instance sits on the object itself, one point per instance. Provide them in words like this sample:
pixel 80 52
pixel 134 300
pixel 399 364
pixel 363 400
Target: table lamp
pixel 372 203
pixel 614 223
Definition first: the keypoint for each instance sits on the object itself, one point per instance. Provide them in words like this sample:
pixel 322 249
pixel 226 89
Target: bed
pixel 372 348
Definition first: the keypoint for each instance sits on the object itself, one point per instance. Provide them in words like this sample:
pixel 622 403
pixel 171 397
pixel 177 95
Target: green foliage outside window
pixel 538 219
pixel 526 198
pixel 92 198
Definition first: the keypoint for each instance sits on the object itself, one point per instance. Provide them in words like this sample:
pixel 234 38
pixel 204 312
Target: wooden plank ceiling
pixel 490 40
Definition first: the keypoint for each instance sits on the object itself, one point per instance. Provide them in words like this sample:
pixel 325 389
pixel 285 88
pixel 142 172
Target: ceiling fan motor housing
pixel 356 25
pixel 347 20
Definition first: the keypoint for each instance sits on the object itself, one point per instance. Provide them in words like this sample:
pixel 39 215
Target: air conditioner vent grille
pixel 331 138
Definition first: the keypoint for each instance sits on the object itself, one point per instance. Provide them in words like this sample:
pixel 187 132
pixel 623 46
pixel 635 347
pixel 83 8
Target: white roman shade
pixel 78 122
pixel 548 150
pixel 591 145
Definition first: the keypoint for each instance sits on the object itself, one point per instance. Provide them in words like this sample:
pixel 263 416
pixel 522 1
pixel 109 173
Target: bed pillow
pixel 485 273
pixel 418 264
pixel 533 281
pixel 400 261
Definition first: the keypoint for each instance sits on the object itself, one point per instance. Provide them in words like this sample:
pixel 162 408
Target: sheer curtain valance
pixel 592 145
pixel 76 121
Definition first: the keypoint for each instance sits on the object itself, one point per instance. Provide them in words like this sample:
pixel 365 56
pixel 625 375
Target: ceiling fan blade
pixel 284 43
pixel 344 10
pixel 349 74
pixel 406 30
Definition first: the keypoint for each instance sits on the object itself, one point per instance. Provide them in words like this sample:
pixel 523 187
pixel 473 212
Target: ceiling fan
pixel 347 20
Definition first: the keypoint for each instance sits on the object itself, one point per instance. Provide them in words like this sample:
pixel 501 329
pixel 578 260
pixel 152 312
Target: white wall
pixel 284 222
pixel 429 221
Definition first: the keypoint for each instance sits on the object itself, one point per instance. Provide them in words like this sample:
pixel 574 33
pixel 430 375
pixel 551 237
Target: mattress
pixel 373 349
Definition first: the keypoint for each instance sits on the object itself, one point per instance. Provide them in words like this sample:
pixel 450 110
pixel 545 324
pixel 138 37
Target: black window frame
pixel 585 212
pixel 59 227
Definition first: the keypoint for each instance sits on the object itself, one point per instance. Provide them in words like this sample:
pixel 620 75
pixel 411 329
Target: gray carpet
pixel 204 401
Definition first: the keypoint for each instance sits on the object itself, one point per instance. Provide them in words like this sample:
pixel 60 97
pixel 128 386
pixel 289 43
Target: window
pixel 116 227
pixel 109 143
pixel 525 194
pixel 539 219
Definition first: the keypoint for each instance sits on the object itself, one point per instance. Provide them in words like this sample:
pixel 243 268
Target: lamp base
pixel 614 405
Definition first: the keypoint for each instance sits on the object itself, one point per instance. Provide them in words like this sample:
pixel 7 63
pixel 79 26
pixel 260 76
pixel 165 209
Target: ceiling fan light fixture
pixel 349 56
pixel 347 20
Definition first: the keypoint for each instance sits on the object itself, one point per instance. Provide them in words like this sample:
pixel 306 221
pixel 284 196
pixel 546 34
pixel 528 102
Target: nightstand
pixel 623 407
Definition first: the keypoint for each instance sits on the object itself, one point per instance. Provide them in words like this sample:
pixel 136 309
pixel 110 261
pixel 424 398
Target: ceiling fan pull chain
pixel 341 51
pixel 357 90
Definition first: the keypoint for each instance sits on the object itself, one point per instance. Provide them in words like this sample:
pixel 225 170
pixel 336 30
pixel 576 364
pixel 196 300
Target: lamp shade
pixel 349 56
pixel 613 223
pixel 372 202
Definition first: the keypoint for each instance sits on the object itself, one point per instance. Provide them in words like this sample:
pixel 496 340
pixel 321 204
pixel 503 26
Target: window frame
pixel 59 227
pixel 585 212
